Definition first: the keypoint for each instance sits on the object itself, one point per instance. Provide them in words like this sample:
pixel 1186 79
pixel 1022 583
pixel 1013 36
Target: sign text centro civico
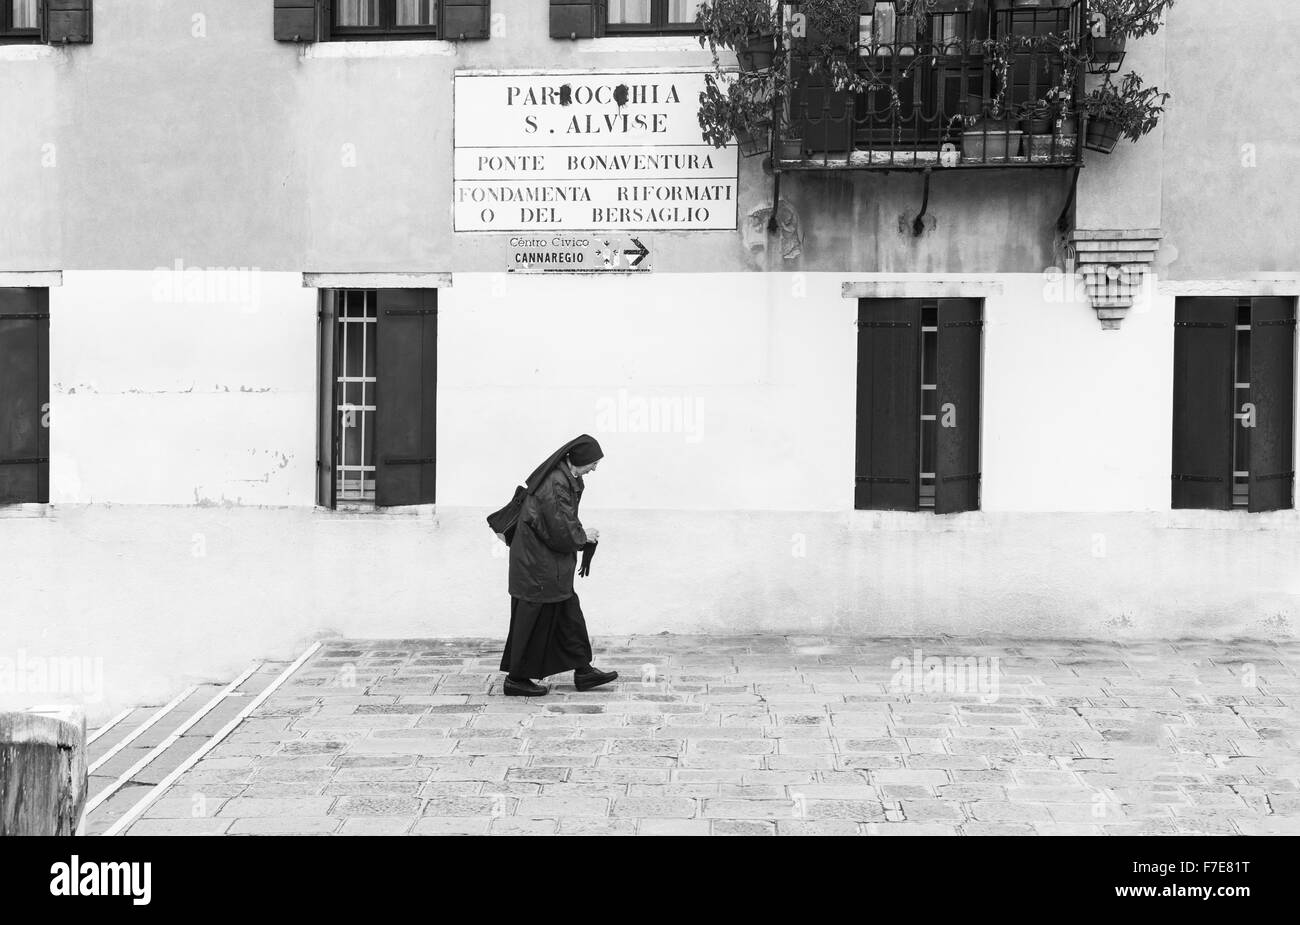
pixel 587 150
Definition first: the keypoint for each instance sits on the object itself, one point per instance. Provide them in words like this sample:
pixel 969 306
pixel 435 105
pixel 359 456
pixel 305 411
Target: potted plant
pixel 1065 124
pixel 991 139
pixel 1036 117
pixel 1113 22
pixel 1128 110
pixel 747 27
pixel 737 106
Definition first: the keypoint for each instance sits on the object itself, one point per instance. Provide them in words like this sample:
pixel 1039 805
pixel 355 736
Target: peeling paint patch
pixel 620 95
pixel 566 95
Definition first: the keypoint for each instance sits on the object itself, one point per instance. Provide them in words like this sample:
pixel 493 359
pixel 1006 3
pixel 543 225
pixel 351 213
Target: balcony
pixel 982 85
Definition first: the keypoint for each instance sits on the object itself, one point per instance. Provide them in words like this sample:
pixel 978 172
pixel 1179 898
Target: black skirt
pixel 545 639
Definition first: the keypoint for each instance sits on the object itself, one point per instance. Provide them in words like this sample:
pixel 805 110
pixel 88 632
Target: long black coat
pixel 543 555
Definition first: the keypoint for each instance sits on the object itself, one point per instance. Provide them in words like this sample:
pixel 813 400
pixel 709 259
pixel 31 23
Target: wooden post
pixel 42 771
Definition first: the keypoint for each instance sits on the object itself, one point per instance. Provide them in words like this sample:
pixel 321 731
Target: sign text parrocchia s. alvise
pixel 617 96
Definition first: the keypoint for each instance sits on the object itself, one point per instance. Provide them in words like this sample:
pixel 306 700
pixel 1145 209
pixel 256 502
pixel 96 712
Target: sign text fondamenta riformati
pixel 587 151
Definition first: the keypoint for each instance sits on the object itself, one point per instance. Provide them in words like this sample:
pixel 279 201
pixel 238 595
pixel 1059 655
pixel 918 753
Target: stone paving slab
pixel 767 735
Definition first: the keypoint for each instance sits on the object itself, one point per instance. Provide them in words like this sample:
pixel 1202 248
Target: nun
pixel 548 634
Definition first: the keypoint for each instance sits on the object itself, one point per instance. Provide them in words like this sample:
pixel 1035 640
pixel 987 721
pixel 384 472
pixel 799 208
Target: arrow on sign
pixel 642 252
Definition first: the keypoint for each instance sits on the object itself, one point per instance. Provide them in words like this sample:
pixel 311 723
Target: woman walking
pixel 548 634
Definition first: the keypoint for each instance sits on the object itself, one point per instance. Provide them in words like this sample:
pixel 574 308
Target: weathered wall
pixel 1231 145
pixel 184 388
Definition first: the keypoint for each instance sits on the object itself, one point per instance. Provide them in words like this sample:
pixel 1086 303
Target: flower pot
pixel 1106 53
pixel 1041 4
pixel 1036 125
pixel 791 149
pixel 1103 135
pixel 1067 147
pixel 757 51
pixel 987 146
pixel 1051 149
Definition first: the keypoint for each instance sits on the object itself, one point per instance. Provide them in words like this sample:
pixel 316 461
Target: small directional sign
pixel 578 254
pixel 641 253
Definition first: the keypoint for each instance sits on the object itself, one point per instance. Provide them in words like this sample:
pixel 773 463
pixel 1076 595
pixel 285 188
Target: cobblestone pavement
pixel 764 735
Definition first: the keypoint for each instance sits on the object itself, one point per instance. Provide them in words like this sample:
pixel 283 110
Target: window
pixel 1234 400
pixel 24 395
pixel 642 17
pixel 378 404
pixel 19 22
pixel 918 422
pixel 927 76
pixel 385 18
pixel 323 20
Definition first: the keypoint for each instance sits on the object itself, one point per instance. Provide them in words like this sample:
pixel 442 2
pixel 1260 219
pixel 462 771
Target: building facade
pixel 293 294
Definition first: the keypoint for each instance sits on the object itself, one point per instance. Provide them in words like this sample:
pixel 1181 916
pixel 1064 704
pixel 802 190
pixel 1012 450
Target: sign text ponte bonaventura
pixel 587 151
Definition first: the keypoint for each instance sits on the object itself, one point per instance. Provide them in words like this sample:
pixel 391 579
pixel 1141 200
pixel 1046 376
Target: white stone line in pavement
pixel 130 816
pixel 109 725
pixel 142 728
pixel 166 743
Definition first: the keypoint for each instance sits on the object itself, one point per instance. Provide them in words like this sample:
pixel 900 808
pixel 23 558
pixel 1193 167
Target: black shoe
pixel 592 677
pixel 525 688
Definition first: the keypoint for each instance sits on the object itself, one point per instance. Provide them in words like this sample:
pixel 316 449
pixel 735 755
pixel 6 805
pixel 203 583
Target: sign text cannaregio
pixel 587 151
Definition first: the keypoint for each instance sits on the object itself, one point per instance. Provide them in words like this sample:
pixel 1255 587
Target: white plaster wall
pixel 1076 418
pixel 173 388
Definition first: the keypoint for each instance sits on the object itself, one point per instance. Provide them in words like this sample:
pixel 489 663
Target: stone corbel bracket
pixel 1114 266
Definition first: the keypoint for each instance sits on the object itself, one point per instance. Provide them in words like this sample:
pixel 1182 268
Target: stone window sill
pixel 354 511
pixel 917 522
pixel 412 48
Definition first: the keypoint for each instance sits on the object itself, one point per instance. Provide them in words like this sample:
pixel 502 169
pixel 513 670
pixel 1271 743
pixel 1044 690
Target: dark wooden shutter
pixel 24 395
pixel 406 396
pixel 957 376
pixel 301 20
pixel 462 20
pixel 887 470
pixel 327 419
pixel 66 22
pixel 577 19
pixel 1204 334
pixel 1271 448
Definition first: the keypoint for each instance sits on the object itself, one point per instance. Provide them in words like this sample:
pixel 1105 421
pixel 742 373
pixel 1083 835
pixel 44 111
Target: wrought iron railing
pixel 991 85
